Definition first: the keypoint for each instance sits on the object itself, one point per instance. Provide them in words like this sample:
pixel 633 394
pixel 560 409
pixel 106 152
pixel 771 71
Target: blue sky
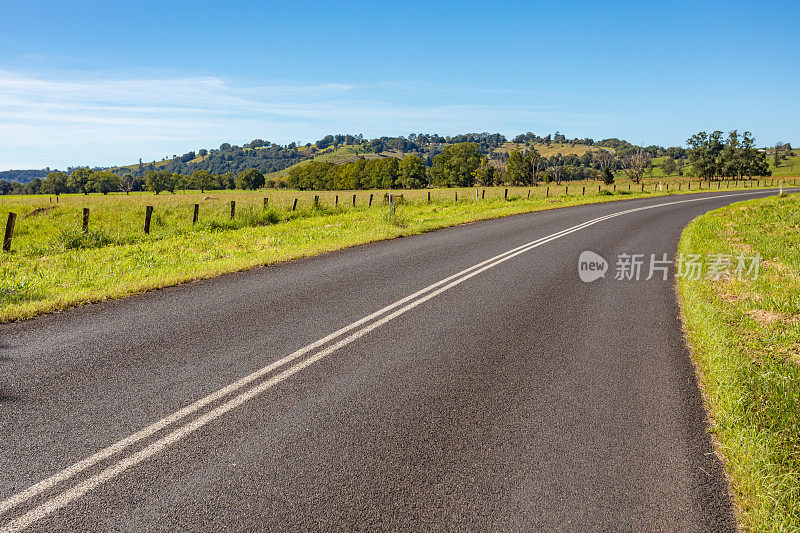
pixel 103 83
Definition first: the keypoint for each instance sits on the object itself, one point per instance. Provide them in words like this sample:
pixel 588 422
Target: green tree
pixel 78 179
pixel 456 165
pixel 607 176
pixel 35 186
pixel 730 158
pixel 159 180
pixel 227 180
pixel 349 176
pixel 103 182
pixel 704 150
pixel 515 170
pixel 250 179
pixel 759 165
pixel 546 178
pixel 201 179
pixel 55 183
pixel 754 162
pixel 383 173
pixel 668 166
pixel 413 174
pixel 486 173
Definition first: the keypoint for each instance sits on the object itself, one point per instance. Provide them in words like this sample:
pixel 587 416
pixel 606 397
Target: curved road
pixel 466 379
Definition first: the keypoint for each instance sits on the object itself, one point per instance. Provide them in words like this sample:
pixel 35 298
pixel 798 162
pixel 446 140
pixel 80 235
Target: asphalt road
pixel 512 396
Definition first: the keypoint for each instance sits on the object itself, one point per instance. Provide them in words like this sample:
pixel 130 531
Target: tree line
pixel 431 160
pixel 457 165
pixel 85 181
pixel 736 156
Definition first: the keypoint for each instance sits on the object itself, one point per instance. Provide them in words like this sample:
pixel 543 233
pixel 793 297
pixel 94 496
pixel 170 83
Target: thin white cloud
pixel 96 121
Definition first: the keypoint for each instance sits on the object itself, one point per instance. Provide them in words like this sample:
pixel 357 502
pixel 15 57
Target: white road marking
pixel 115 448
pixel 419 297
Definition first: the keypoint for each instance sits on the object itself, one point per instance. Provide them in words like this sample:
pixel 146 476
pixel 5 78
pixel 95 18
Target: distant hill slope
pixel 275 160
pixel 549 150
pixel 264 156
pixel 271 158
pixel 23 176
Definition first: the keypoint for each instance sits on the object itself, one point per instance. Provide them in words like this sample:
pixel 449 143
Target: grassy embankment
pixel 745 336
pixel 54 264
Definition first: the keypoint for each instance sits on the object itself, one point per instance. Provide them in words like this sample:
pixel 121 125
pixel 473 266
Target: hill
pixel 274 160
pixel 23 176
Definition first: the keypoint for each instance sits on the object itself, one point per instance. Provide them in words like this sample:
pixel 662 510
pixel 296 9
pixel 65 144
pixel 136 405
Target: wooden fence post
pixel 148 213
pixel 598 189
pixel 354 200
pixel 336 202
pixel 456 196
pixel 547 193
pixel 566 190
pixel 483 194
pixel 583 192
pixel 642 187
pixel 12 218
pixel 85 225
pixel 294 204
pixel 505 197
pixel 233 208
pixel 429 196
pixel 370 200
pixel 196 213
pixel 266 202
pixel 529 194
pixel 316 201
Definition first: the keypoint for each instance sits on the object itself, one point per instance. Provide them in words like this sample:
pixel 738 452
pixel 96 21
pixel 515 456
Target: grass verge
pixel 745 338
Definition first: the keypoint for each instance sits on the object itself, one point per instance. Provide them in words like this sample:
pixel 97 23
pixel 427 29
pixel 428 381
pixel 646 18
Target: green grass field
pixel 53 263
pixel 745 336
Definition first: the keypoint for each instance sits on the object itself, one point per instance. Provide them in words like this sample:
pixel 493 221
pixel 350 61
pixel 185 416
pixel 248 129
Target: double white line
pixel 302 358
